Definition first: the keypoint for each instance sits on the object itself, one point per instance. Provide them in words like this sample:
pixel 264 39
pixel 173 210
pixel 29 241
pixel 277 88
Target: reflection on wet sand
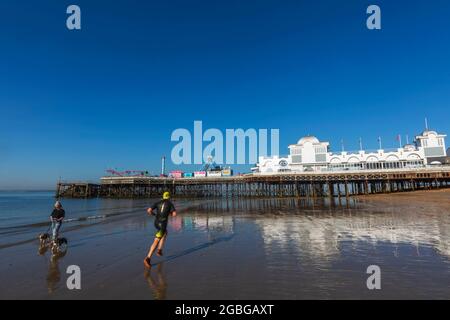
pixel 157 283
pixel 209 224
pixel 264 206
pixel 320 248
pixel 54 273
pixel 43 248
pixel 318 227
pixel 321 236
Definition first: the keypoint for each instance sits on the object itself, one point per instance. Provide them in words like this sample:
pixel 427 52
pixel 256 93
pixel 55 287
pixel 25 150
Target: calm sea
pixel 22 209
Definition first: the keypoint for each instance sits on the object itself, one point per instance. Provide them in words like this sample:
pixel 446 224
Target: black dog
pixel 61 241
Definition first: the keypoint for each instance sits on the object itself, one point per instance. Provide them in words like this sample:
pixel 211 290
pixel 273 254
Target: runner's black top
pixel 164 208
pixel 58 214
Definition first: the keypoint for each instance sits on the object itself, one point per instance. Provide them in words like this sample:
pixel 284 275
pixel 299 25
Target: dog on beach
pixel 44 237
pixel 61 241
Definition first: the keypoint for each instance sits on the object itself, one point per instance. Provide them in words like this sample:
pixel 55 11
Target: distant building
pixel 311 155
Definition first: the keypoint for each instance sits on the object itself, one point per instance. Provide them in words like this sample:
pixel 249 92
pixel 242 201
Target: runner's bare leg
pixel 153 247
pixel 162 242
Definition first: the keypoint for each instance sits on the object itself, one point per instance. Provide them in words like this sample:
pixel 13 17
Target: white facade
pixel 433 145
pixel 311 155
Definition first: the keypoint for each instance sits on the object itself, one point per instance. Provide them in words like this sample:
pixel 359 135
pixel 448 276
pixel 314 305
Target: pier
pixel 329 184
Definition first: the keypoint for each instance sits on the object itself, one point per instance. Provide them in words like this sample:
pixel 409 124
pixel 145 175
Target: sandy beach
pixel 244 249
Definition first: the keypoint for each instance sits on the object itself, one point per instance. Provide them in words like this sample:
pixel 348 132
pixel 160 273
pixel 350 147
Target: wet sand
pixel 247 249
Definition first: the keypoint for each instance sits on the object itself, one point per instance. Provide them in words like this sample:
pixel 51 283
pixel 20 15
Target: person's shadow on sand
pixel 54 274
pixel 196 248
pixel 157 283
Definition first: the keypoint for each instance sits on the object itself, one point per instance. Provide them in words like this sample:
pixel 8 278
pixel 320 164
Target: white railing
pixel 424 168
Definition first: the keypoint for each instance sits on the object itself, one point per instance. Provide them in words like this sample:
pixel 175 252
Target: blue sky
pixel 109 96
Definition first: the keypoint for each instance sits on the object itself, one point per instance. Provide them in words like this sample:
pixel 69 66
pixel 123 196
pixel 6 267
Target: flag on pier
pixel 399 139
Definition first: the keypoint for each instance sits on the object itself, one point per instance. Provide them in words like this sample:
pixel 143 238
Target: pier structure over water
pixel 314 184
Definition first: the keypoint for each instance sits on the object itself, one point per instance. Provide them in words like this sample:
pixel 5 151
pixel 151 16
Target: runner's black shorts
pixel 161 227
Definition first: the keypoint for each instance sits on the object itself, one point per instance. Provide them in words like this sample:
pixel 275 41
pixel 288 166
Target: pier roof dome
pixel 429 132
pixel 409 147
pixel 310 139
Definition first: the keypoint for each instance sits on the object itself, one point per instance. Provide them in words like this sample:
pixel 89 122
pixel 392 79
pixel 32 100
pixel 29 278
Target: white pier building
pixel 311 155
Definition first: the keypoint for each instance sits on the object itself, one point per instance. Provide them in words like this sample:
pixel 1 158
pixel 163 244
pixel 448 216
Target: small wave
pixel 9 229
pixel 98 217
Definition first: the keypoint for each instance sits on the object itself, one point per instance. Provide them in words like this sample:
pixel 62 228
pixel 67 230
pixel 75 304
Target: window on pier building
pixel 296 151
pixel 393 165
pixel 297 159
pixel 320 149
pixel 434 152
pixel 321 157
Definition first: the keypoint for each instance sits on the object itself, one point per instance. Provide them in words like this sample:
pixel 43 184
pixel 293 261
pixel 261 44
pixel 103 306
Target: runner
pixel 163 209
